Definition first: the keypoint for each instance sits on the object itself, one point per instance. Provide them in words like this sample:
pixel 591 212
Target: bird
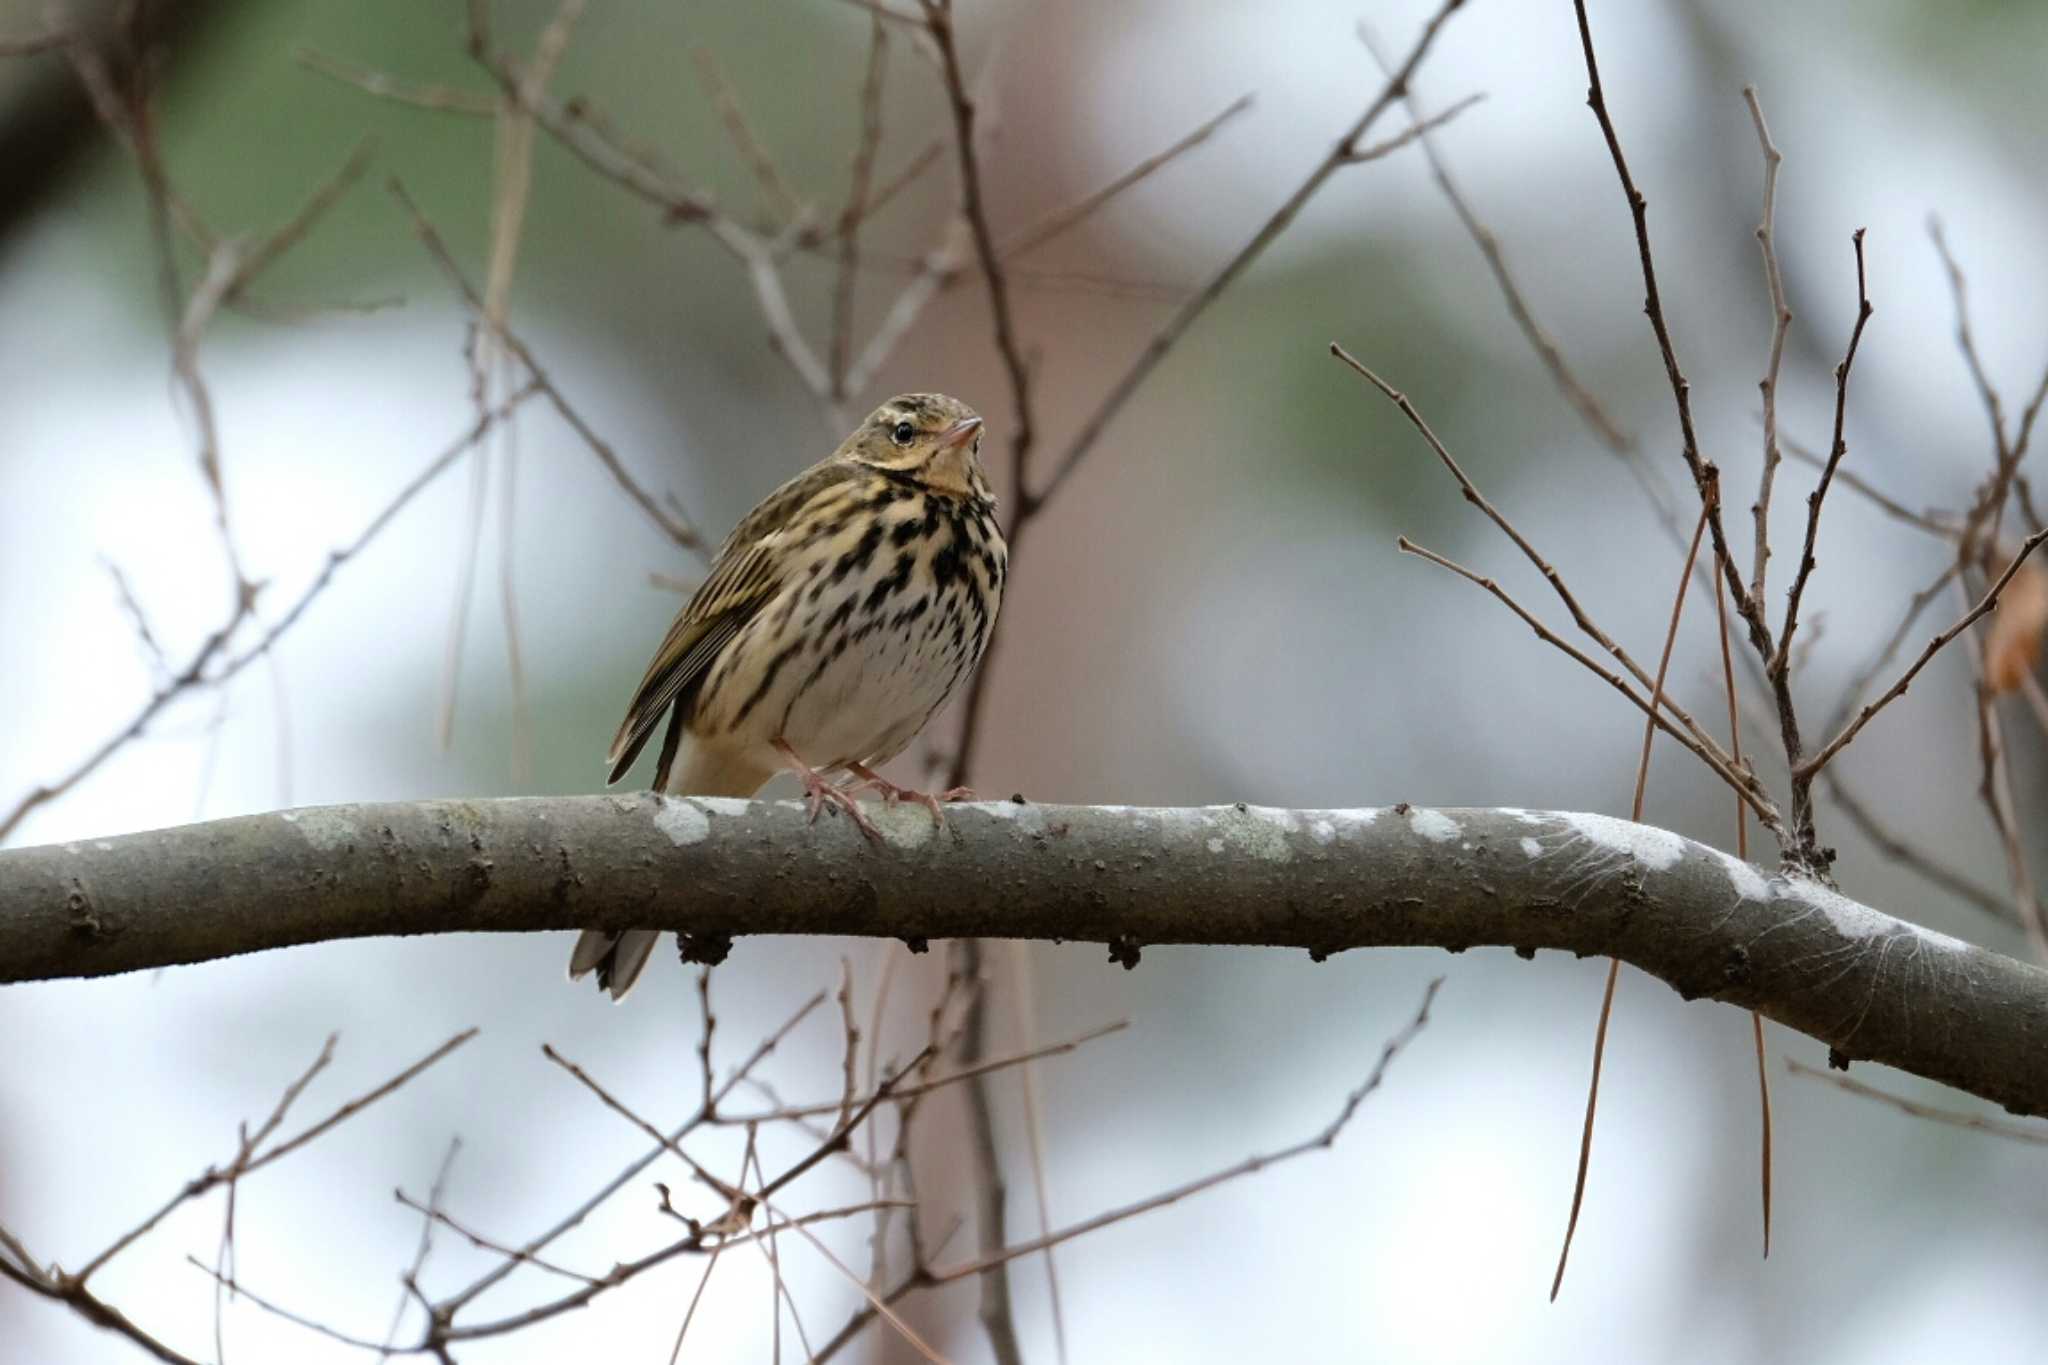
pixel 837 619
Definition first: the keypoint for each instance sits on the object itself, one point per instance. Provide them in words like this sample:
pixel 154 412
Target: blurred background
pixel 1212 610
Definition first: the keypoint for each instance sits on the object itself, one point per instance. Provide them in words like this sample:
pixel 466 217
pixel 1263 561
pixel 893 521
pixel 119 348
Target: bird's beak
pixel 959 433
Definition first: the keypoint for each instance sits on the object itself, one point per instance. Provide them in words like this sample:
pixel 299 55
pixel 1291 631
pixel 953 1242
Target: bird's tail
pixel 701 770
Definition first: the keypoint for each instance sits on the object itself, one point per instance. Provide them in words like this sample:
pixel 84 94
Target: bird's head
pixel 926 437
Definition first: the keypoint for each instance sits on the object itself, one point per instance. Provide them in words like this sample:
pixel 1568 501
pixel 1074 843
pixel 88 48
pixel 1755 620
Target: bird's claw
pixel 819 793
pixel 891 793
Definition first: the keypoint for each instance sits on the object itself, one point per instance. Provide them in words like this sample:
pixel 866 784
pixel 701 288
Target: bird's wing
pixel 747 573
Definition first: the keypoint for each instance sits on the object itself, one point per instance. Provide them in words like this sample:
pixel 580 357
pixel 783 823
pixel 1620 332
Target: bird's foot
pixel 819 793
pixel 891 793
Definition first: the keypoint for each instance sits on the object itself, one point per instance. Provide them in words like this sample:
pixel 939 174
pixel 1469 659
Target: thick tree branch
pixel 1866 984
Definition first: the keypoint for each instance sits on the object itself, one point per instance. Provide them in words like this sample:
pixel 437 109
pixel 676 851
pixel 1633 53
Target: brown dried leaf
pixel 2014 647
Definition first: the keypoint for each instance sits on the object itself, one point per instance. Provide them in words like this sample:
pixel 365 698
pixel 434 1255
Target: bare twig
pixel 1781 322
pixel 1024 1008
pixel 70 1287
pixel 1185 317
pixel 1966 340
pixel 1249 1166
pixel 1994 788
pixel 1743 782
pixel 439 465
pixel 903 1329
pixel 1867 676
pixel 1837 447
pixel 1059 220
pixel 1031 499
pixel 1415 131
pixel 1581 399
pixel 1863 717
pixel 1914 859
pixel 984 1067
pixel 783 201
pixel 194 673
pixel 702 1237
pixel 1930 522
pixel 1955 1118
pixel 991 1195
pixel 430 1213
pixel 88 1306
pixel 439 98
pixel 449 1306
pixel 675 528
pixel 974 208
pixel 355 1106
pixel 856 209
pixel 1749 608
pixel 852 1052
pixel 907 175
pixel 1696 738
pixel 299 1319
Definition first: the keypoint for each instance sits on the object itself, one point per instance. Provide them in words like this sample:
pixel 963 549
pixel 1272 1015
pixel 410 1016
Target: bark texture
pixel 1868 985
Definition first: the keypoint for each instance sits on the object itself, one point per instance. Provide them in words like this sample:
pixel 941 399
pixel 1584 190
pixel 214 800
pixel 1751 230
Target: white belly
pixel 860 690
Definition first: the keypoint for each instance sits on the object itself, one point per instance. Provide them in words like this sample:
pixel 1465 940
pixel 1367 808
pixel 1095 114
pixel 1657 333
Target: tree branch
pixel 1866 984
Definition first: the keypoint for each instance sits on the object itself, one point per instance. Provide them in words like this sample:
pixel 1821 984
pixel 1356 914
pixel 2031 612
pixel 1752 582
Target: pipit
pixel 838 617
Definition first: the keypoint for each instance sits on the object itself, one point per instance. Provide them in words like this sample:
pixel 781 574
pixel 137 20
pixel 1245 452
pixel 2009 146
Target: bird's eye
pixel 903 434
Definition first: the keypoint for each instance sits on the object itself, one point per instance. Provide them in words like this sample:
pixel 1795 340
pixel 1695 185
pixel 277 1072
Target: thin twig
pixel 1930 522
pixel 430 1213
pixel 229 1283
pixel 1702 742
pixel 675 528
pixel 439 465
pixel 1926 866
pixel 974 208
pixel 1743 782
pixel 1747 607
pixel 1781 323
pixel 1249 1166
pixel 910 1092
pixel 1163 342
pixel 1024 1008
pixel 1059 220
pixel 852 1051
pixel 449 1306
pixel 246 1163
pixel 1581 399
pixel 1994 788
pixel 1837 448
pixel 1966 339
pixel 439 98
pixel 1414 132
pixel 1882 659
pixel 1982 1123
pixel 855 211
pixel 783 201
pixel 923 1347
pixel 991 1195
pixel 1984 604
